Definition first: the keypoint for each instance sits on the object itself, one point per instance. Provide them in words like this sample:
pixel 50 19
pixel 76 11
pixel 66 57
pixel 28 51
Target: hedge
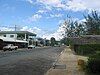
pixel 87 49
pixel 93 63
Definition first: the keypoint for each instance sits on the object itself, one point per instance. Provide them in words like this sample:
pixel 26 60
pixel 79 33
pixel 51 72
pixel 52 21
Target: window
pixel 4 35
pixel 11 36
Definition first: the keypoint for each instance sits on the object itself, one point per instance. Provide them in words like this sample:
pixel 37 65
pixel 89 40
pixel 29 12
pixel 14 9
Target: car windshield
pixel 10 45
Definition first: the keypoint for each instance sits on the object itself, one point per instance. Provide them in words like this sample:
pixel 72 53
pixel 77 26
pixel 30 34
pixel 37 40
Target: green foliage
pixel 70 42
pixel 91 26
pixel 93 63
pixel 72 28
pixel 93 23
pixel 87 49
pixel 96 47
pixel 79 29
pixel 53 41
pixel 66 41
pixel 47 42
pixel 84 50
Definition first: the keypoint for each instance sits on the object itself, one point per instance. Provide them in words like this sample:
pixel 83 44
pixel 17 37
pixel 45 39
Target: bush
pixel 84 50
pixel 93 63
pixel 96 47
pixel 87 49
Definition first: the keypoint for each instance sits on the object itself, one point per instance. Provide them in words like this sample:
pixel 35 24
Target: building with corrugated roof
pixel 85 39
pixel 19 38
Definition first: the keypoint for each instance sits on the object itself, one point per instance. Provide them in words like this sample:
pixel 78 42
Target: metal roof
pixel 86 39
pixel 18 32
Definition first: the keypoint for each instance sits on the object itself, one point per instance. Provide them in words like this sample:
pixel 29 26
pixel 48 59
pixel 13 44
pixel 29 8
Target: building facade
pixel 20 38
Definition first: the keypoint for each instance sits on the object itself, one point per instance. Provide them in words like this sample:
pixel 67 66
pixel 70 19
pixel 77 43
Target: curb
pixel 54 64
pixel 58 58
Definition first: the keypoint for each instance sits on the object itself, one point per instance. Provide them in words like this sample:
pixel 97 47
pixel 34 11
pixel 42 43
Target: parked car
pixel 10 47
pixel 31 46
pixel 56 45
pixel 40 45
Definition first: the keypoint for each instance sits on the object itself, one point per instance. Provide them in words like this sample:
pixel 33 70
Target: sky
pixel 43 17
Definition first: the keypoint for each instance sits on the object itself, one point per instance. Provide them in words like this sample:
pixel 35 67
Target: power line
pixel 15 27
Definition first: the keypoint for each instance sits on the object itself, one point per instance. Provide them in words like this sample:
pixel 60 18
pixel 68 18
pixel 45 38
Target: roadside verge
pixel 66 64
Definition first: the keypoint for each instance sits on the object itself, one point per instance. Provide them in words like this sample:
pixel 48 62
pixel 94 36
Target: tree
pixel 47 42
pixel 73 28
pixel 79 29
pixel 68 28
pixel 64 41
pixel 53 41
pixel 93 23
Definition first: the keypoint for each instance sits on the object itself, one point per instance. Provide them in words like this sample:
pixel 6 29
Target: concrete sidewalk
pixel 67 64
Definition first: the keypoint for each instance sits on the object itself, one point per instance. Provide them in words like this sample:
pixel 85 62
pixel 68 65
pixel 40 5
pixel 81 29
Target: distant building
pixel 20 38
pixel 42 42
pixel 39 41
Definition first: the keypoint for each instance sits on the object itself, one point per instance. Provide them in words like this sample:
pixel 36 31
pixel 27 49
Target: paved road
pixel 28 62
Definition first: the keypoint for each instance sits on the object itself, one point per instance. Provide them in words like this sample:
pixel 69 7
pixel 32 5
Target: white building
pixel 21 38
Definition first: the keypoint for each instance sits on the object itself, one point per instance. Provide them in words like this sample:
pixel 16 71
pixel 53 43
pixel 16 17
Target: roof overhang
pixel 18 32
pixel 5 39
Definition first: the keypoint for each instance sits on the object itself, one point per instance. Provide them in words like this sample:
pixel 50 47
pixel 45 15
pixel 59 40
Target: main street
pixel 28 62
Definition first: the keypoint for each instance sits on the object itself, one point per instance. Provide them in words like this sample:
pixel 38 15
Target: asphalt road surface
pixel 28 62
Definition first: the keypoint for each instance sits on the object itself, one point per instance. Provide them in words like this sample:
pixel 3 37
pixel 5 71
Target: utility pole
pixel 15 34
pixel 15 27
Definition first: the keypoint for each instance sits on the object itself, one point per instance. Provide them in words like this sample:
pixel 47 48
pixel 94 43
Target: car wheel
pixel 10 49
pixel 4 50
pixel 15 48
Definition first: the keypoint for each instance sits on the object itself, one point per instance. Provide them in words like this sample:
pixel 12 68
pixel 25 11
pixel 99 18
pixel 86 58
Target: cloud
pixel 57 34
pixel 25 28
pixel 42 11
pixel 56 15
pixel 81 5
pixel 6 29
pixel 30 1
pixel 74 5
pixel 49 4
pixel 33 30
pixel 33 18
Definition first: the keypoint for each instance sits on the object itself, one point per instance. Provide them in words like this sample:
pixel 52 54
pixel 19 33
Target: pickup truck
pixel 10 47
